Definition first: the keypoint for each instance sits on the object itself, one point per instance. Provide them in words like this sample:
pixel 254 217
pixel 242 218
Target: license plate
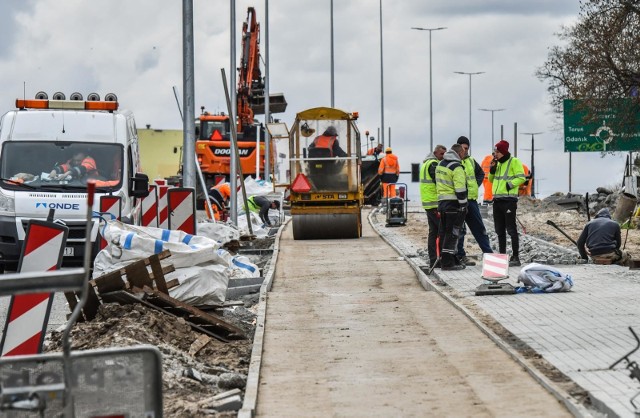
pixel 68 252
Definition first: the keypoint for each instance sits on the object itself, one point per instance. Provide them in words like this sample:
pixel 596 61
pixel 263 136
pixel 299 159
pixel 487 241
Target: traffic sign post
pixel 607 128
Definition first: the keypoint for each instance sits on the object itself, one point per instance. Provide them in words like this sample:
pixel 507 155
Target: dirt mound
pixel 189 380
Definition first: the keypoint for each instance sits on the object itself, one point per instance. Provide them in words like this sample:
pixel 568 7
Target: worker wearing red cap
pixel 506 174
pixel 389 171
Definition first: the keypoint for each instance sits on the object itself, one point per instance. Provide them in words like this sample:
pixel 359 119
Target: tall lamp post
pixel 492 112
pixel 430 87
pixel 533 152
pixel 470 75
pixel 332 66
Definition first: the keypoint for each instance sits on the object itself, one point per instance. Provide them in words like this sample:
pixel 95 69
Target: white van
pixel 49 149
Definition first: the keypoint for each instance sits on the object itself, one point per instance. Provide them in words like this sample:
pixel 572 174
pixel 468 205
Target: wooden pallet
pixel 143 282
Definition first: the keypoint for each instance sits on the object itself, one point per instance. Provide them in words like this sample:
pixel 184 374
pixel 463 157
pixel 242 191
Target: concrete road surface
pixel 350 332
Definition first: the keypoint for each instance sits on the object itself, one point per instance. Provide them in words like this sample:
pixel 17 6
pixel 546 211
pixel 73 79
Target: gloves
pixel 492 168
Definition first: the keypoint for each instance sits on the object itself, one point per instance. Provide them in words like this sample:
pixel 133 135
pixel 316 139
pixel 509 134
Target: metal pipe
pixel 267 104
pixel 381 81
pixel 234 147
pixel 189 143
pixel 234 160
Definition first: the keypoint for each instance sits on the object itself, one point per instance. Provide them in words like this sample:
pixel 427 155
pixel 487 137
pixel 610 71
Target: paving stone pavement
pixel 581 332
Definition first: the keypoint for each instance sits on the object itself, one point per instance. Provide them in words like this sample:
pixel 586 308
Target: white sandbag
pixel 221 232
pixel 128 243
pixel 201 285
pixel 543 278
pixel 256 225
pixel 239 265
pixel 255 187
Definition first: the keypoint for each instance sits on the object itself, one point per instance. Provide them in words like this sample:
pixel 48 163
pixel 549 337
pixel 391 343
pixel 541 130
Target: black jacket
pixel 600 236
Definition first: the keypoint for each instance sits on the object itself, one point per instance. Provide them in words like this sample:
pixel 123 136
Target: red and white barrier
pixel 113 206
pixel 495 266
pixel 149 213
pixel 163 210
pixel 28 315
pixel 181 203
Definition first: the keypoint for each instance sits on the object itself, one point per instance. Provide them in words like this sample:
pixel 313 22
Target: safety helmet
pixel 388 150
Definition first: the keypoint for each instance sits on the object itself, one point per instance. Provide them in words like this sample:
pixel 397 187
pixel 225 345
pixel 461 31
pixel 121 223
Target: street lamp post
pixel 469 74
pixel 430 87
pixel 533 151
pixel 492 112
pixel 332 66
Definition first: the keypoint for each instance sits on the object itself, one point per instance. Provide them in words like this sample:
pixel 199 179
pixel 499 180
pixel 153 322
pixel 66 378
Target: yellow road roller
pixel 326 191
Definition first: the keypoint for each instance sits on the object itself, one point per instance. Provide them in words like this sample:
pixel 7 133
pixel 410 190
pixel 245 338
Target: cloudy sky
pixel 134 49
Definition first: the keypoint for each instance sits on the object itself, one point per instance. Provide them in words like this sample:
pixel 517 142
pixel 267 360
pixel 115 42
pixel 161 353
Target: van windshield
pixel 60 165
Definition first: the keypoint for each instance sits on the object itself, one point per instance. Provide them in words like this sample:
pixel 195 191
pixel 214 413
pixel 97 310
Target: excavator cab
pixel 326 191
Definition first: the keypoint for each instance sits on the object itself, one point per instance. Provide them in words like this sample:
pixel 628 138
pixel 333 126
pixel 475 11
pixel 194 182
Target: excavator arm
pixel 250 82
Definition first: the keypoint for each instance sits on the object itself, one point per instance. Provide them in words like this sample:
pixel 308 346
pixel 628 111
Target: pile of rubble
pixel 205 350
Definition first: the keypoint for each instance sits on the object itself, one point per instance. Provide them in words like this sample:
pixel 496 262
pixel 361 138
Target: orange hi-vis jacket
pixel 87 167
pixel 389 165
pixel 224 189
pixel 323 141
pixel 486 184
pixel 525 188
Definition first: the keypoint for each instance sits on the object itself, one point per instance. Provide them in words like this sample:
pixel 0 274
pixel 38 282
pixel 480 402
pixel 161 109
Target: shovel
pixel 553 224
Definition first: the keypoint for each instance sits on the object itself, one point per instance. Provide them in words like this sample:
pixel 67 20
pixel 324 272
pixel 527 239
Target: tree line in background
pixel 599 62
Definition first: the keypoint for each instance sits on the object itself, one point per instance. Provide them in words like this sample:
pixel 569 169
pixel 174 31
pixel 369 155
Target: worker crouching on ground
pixel 429 198
pixel 475 177
pixel 506 175
pixel 600 240
pixel 389 171
pixel 261 206
pixel 451 184
pixel 220 196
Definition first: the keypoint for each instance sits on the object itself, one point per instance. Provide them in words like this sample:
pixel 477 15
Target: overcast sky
pixel 134 49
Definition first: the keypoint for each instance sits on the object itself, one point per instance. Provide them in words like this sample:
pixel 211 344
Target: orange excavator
pixel 213 131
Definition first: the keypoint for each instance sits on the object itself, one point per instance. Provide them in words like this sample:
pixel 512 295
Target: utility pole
pixel 533 151
pixel 430 87
pixel 469 74
pixel 492 112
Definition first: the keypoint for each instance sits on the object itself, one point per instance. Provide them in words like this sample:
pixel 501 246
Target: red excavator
pixel 213 132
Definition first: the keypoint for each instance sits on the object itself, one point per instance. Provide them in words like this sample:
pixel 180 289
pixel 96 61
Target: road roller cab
pixel 326 191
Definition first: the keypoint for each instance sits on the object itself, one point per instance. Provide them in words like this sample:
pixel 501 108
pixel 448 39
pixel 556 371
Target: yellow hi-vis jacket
pixel 428 191
pixel 507 179
pixel 474 174
pixel 451 182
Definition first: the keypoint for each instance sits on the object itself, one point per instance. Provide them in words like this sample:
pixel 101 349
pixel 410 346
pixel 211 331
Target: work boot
pixel 467 261
pixel 454 267
pixel 514 261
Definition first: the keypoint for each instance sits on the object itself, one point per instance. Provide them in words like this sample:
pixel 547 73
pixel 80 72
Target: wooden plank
pixel 124 298
pixel 158 275
pixel 137 274
pixel 173 283
pixel 195 312
pixel 168 269
pixel 110 282
pixel 90 309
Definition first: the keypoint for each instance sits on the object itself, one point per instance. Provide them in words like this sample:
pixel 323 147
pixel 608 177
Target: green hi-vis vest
pixel 511 174
pixel 253 206
pixel 428 191
pixel 451 180
pixel 469 166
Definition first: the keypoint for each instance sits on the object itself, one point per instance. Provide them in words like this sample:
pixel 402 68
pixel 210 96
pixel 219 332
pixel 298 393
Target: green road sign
pixel 601 133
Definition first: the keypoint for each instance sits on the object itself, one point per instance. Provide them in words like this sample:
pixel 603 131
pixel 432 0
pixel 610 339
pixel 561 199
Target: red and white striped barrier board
pixel 113 206
pixel 26 324
pixel 495 266
pixel 182 209
pixel 219 179
pixel 149 212
pixel 163 209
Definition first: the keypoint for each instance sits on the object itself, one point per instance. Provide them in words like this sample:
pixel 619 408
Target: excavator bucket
pixel 277 104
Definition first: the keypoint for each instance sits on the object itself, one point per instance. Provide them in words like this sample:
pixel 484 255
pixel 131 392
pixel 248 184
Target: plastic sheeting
pixel 203 268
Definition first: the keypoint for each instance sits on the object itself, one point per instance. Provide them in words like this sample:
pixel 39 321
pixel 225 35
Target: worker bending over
pixel 600 240
pixel 261 206
pixel 220 196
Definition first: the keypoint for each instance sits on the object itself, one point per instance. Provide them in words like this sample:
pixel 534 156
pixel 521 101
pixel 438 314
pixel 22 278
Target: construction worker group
pixel 449 190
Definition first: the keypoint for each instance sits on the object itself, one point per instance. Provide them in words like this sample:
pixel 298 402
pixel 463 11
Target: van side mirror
pixel 139 185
